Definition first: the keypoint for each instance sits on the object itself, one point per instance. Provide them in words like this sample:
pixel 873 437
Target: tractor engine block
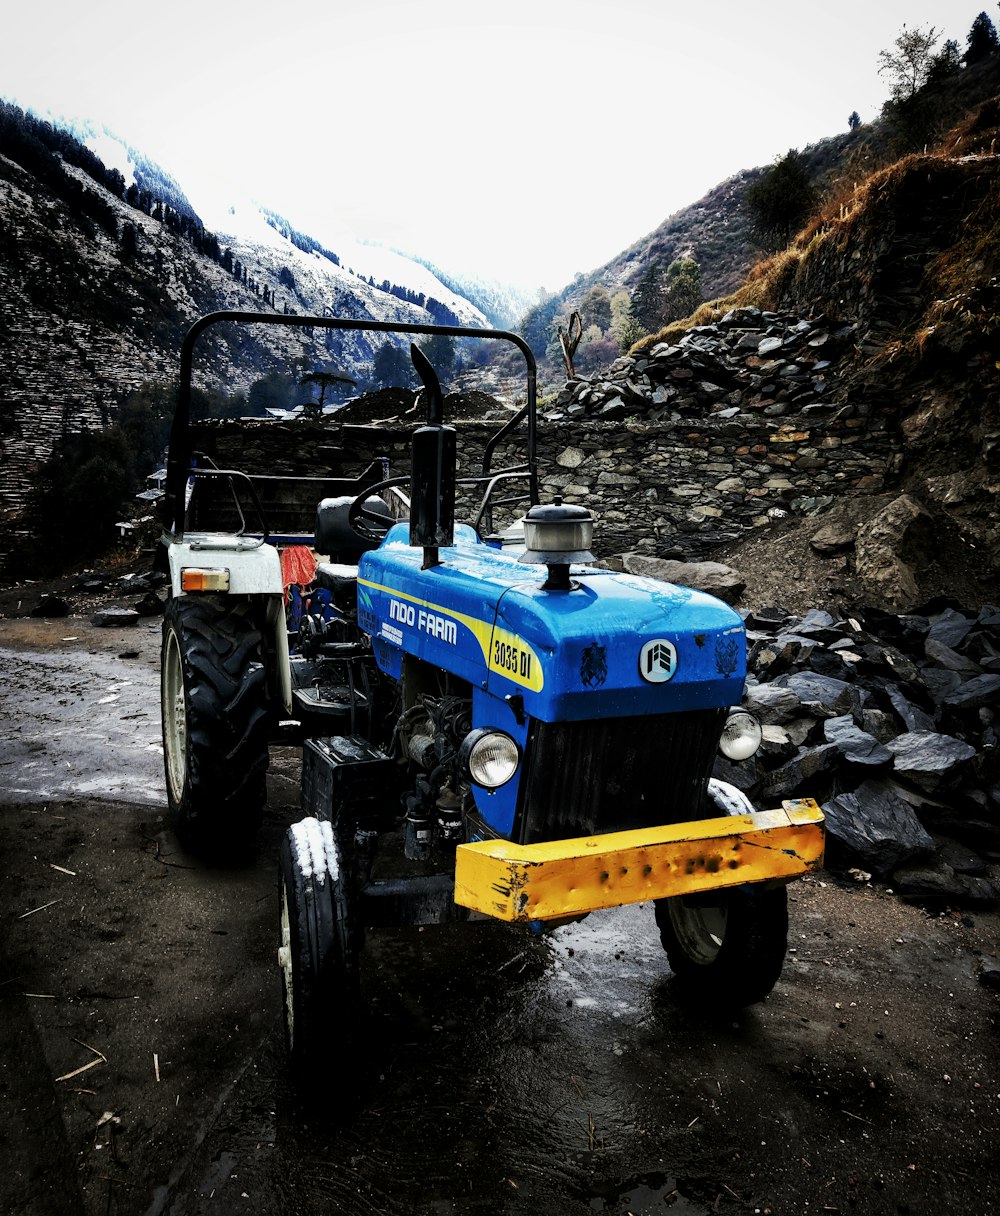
pixel 430 735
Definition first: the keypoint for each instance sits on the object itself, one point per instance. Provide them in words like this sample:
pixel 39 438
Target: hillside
pixel 101 278
pixel 716 231
pixel 855 375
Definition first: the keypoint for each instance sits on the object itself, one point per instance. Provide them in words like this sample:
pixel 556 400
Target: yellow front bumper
pixel 567 877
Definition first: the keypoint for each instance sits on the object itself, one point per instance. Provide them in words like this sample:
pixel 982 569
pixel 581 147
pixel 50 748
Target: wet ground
pixel 141 1057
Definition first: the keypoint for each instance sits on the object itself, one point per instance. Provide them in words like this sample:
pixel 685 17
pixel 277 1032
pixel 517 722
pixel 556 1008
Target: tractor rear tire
pixel 215 723
pixel 729 953
pixel 318 955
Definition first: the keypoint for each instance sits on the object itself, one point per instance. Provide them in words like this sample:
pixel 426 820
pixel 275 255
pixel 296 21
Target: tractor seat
pixel 336 537
pixel 337 578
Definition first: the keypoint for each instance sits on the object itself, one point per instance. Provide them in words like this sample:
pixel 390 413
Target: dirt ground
pixel 782 568
pixel 141 1054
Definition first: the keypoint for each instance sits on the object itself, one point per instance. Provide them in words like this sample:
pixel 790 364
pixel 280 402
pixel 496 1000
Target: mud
pixel 500 1072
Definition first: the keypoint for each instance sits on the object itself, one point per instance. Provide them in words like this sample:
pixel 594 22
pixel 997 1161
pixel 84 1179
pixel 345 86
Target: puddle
pixel 645 1195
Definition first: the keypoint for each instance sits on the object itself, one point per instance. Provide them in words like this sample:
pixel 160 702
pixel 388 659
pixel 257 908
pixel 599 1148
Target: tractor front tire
pixel 728 953
pixel 318 955
pixel 215 723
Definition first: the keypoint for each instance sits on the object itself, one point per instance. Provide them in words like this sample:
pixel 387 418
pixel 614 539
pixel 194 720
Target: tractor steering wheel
pixel 369 524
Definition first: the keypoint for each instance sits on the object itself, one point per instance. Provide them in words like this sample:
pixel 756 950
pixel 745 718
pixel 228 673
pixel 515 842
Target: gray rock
pixel 889 661
pixel 804 730
pixel 912 717
pixel 950 627
pixel 149 605
pixel 929 760
pixel 571 458
pixel 712 391
pixel 832 696
pixel 776 744
pixel 855 745
pixel 960 857
pixel 107 618
pixel 773 705
pixel 744 775
pixel 940 682
pixel 790 650
pixel 939 883
pixel 770 618
pixel 133 584
pixel 816 621
pixel 747 343
pixel 888 548
pixel 51 606
pixel 711 577
pixel 975 694
pixel 832 538
pixel 875 828
pixel 788 780
pixel 879 723
pixel 944 656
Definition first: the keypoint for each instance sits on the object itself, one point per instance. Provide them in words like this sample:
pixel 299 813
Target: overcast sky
pixel 527 140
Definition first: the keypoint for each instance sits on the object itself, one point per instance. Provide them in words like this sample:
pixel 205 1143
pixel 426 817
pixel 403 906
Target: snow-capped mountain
pixel 258 236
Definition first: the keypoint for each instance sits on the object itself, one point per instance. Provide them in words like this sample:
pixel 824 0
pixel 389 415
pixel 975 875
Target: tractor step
pixel 329 701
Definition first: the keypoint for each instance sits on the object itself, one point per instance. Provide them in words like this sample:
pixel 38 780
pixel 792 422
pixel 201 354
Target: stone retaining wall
pixel 664 487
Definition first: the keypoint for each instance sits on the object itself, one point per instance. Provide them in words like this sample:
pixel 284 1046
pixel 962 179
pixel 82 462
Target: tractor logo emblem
pixel 727 656
pixel 594 666
pixel 657 661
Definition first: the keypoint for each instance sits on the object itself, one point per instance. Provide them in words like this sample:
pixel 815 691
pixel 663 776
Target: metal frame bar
pixel 559 878
pixel 179 456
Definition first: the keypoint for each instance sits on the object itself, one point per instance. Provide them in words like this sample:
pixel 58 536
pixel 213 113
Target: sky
pixel 525 141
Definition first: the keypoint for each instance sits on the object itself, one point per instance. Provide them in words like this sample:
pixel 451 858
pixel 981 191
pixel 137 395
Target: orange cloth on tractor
pixel 298 567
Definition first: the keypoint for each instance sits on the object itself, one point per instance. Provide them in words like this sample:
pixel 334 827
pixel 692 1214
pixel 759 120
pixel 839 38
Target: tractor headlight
pixel 490 757
pixel 741 736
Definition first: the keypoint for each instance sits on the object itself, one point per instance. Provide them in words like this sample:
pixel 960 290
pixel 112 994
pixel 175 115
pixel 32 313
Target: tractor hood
pixel 615 644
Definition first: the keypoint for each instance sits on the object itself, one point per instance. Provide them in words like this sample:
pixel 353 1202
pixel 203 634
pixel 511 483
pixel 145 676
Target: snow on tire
pixel 318 954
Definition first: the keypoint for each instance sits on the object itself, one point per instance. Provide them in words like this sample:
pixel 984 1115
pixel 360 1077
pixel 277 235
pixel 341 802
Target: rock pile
pixel 766 363
pixel 89 592
pixel 738 424
pixel 891 723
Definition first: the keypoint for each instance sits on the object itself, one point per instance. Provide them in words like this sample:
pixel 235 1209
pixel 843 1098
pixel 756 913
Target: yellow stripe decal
pixel 503 652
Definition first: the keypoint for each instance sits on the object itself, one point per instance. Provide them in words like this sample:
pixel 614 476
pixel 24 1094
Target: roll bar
pixel 179 454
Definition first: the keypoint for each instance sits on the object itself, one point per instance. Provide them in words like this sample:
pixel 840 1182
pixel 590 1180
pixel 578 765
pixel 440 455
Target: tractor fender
pixel 253 569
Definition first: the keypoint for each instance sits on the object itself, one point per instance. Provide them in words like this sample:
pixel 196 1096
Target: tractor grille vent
pixel 614 774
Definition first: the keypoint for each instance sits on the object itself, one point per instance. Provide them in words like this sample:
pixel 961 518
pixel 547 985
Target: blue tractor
pixel 490 729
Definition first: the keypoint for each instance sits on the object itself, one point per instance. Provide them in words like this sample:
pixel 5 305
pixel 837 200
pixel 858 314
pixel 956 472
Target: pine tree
pixel 982 40
pixel 779 201
pixel 440 350
pixel 683 291
pixel 626 328
pixel 945 64
pixel 391 367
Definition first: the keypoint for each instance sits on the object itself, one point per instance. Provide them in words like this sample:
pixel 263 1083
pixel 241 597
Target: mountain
pixel 502 303
pixel 102 279
pixel 104 267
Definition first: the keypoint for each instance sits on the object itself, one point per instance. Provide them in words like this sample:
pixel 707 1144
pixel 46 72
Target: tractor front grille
pixel 614 774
